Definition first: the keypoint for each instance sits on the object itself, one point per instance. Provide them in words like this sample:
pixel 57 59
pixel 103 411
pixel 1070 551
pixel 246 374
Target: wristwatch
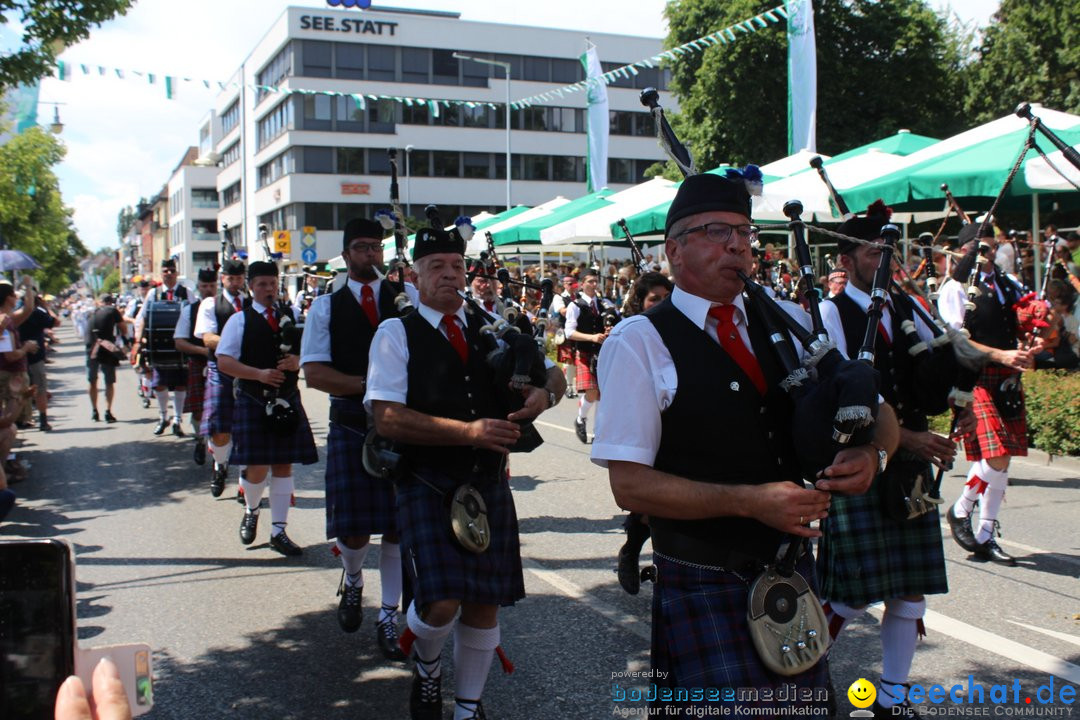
pixel 883 457
pixel 552 399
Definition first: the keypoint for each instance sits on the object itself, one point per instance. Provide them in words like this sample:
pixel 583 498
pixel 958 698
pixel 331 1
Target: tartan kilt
pixel 196 386
pixel 994 436
pixel 356 503
pixel 254 444
pixel 700 636
pixel 566 353
pixel 866 557
pixel 439 567
pixel 585 378
pixel 218 403
pixel 174 378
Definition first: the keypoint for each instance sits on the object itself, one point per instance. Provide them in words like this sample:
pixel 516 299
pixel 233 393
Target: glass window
pixel 445 164
pixel 204 198
pixel 534 118
pixel 474 74
pixel 536 167
pixel 445 67
pixel 538 69
pixel 567 169
pixel 381 61
pixel 231 154
pixel 620 170
pixel 317 58
pixel 640 166
pixel 381 116
pixel 621 122
pixel 563 119
pixel 230 118
pixel 622 82
pixel 647 77
pixel 230 195
pixel 348 211
pixel 378 162
pixel 317 112
pixel 478 116
pixel 415 114
pixel 350 61
pixel 476 165
pixel 200 227
pixel 350 161
pixel 318 160
pixel 415 65
pixel 321 215
pixel 516 65
pixel 448 116
pixel 349 117
pixel 565 71
pixel 274 72
pixel 419 163
pixel 644 126
pixel 275 122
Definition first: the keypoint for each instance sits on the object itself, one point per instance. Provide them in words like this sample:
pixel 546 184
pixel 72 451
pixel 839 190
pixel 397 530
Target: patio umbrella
pixel 16 260
pixel 595 226
pixel 529 232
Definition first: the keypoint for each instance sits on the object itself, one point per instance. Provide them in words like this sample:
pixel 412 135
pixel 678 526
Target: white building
pixel 193 216
pixel 290 161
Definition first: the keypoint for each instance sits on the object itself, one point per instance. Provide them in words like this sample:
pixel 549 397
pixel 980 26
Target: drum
pixel 158 343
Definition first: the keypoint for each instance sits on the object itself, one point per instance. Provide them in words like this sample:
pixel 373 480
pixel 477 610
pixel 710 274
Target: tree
pixel 124 220
pixel 1031 51
pixel 49 26
pixel 882 66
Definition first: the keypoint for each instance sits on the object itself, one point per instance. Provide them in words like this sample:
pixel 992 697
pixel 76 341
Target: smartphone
pixel 37 625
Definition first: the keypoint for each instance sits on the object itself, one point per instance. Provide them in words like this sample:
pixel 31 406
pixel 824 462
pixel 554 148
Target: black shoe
pixel 425 700
pixel 961 530
pixel 248 526
pixel 217 480
pixel 579 429
pixel 349 611
pixel 200 454
pixel 44 426
pixel 95 417
pixel 176 429
pixel 160 429
pixel 109 417
pixel 145 402
pixel 570 394
pixel 990 550
pixel 477 712
pixel 387 638
pixel 629 575
pixel 282 544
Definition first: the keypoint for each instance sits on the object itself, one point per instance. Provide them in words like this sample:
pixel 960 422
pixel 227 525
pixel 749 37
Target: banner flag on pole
pixel 802 77
pixel 598 121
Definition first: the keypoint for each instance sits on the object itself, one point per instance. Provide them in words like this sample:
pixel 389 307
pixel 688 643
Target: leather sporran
pixel 904 489
pixel 468 519
pixel 280 417
pixel 786 622
pixel 1009 398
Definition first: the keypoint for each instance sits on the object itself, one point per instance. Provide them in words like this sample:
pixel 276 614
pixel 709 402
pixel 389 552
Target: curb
pixel 1061 462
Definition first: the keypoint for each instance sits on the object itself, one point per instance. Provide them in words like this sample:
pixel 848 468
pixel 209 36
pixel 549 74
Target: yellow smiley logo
pixel 862 693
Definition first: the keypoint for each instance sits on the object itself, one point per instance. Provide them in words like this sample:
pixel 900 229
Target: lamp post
pixel 55 127
pixel 408 182
pixel 505 65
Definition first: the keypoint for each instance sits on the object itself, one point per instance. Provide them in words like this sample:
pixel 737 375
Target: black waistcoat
pixel 351 331
pixel 179 293
pixel 992 323
pixel 260 349
pixel 223 310
pixel 894 363
pixel 713 433
pixel 440 385
pixel 193 315
pixel 589 322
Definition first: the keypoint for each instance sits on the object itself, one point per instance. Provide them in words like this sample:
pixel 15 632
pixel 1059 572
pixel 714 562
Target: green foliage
pixel 48 27
pixel 1053 404
pixel 1030 51
pixel 125 219
pixel 733 97
pixel 111 283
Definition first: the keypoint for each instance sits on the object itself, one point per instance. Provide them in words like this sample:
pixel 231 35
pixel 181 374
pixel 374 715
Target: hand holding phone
pixel 110 698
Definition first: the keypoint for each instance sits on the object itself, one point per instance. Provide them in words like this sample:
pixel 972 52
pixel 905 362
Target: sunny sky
pixel 124 137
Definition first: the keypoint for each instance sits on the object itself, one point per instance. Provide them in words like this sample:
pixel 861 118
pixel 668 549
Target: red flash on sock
pixel 335 550
pixel 507 666
pixel 405 642
pixel 978 483
pixel 920 627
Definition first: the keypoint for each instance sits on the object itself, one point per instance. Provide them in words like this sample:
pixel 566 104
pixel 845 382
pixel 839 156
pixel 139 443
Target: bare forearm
pixel 887 429
pixel 556 382
pixel 189 348
pixel 401 424
pixel 640 488
pixel 234 368
pixel 324 377
pixel 211 340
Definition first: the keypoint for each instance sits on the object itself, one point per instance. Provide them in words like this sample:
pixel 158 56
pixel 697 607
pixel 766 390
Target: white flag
pixel 802 77
pixel 598 121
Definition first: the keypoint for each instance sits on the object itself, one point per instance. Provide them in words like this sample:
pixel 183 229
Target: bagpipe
pixel 512 312
pixel 281 417
pixel 394 220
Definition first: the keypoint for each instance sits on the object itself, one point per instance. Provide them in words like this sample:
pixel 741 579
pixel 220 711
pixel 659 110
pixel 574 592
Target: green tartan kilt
pixel 865 557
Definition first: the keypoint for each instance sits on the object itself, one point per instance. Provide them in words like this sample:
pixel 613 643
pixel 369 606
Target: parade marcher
pixel 104 325
pixel 722 496
pixel 34 328
pixel 566 353
pixel 1001 431
pixel 130 313
pixel 866 557
pixel 258 350
pixel 196 353
pixel 218 401
pixel 432 392
pixel 838 279
pixel 337 338
pixel 165 379
pixel 585 328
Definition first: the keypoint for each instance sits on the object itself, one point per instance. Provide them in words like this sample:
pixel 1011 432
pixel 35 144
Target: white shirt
pixel 950 302
pixel 315 344
pixel 573 312
pixel 1005 257
pixel 638 380
pixel 830 318
pixel 232 335
pixel 183 323
pixel 206 322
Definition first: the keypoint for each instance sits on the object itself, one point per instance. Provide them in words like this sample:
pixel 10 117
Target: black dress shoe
pixel 475 706
pixel 991 551
pixel 425 700
pixel 282 544
pixel 570 394
pixel 387 638
pixel 95 417
pixel 200 453
pixel 145 402
pixel 629 575
pixel 160 429
pixel 177 430
pixel 349 611
pixel 961 530
pixel 579 429
pixel 248 525
pixel 217 480
pixel 109 417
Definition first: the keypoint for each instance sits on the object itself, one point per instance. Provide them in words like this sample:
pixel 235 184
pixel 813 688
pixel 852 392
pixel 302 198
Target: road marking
pixel 553 427
pixel 1052 633
pixel 573 591
pixel 1027 548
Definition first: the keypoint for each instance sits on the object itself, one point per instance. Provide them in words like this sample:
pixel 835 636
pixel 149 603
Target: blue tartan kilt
pixel 196 386
pixel 443 570
pixel 217 403
pixel 700 637
pixel 255 444
pixel 865 557
pixel 171 378
pixel 356 503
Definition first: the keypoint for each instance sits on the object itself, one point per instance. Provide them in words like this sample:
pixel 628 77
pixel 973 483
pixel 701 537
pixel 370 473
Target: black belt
pixel 348 418
pixel 699 552
pixel 259 391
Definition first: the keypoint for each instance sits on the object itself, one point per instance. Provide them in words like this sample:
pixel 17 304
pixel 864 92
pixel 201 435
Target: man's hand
pixel 536 402
pixel 30 347
pixel 938 450
pixel 110 700
pixel 1019 359
pixel 851 472
pixel 599 338
pixel 789 508
pixel 289 363
pixel 271 377
pixel 965 422
pixel 491 434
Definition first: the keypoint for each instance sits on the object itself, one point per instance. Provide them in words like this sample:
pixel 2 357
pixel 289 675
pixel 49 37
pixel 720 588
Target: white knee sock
pixel 429 643
pixel 474 649
pixel 899 634
pixel 353 562
pixel 838 615
pixel 996 482
pixel 976 479
pixel 178 404
pixel 281 490
pixel 163 404
pixel 389 577
pixel 583 409
pixel 253 493
pixel 221 453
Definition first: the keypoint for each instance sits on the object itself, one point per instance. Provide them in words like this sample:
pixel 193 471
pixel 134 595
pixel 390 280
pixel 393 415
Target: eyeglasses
pixel 719 232
pixel 366 247
pixel 167 270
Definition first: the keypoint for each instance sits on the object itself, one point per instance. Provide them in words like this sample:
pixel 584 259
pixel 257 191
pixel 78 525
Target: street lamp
pixel 505 65
pixel 55 127
pixel 408 181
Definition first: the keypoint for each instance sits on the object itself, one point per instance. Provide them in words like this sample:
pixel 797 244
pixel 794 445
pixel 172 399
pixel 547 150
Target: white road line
pixel 1026 548
pixel 553 426
pixel 1052 633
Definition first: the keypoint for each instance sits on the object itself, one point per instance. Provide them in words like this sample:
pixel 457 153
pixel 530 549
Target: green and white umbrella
pixel 528 233
pixel 594 227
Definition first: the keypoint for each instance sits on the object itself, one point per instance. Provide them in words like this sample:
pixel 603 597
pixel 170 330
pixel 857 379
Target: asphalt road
pixel 241 632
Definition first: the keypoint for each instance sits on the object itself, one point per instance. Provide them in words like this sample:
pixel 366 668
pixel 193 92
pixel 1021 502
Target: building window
pixel 284 218
pixel 445 67
pixel 474 74
pixel 476 165
pixel 350 161
pixel 230 118
pixel 620 170
pixel 317 54
pixel 378 163
pixel 415 114
pixel 566 71
pixel 231 154
pixel 621 122
pixel 350 61
pixel 317 112
pixel 619 81
pixel 381 63
pixel 538 69
pixel 477 116
pixel 535 167
pixel 275 122
pixel 348 116
pixel 534 118
pixel 446 164
pixel 274 72
pixel 381 116
pixel 321 215
pixel 318 160
pixel 348 211
pixel 280 166
pixel 448 116
pixel 419 163
pixel 203 260
pixel 201 228
pixel 416 65
pixel 204 198
pixel 566 168
pixel 230 195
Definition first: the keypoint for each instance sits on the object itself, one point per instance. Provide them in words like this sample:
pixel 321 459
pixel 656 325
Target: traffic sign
pixel 282 242
pixel 308 238
pixel 308 256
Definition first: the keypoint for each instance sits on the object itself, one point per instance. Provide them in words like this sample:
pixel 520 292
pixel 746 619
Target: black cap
pixel 262 269
pixel 714 193
pixel 108 299
pixel 232 267
pixel 207 275
pixel 361 227
pixel 971 230
pixel 865 227
pixel 144 283
pixel 168 263
pixel 432 241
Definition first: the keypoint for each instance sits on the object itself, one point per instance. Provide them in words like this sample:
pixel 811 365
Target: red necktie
pixel 489 306
pixel 168 295
pixel 237 304
pixel 729 338
pixel 367 303
pixel 272 319
pixel 456 338
pixel 881 325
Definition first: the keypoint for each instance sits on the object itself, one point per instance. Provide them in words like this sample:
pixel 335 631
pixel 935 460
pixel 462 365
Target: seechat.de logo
pixel 362 4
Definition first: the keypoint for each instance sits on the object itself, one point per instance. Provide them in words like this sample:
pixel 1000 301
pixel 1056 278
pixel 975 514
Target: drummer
pixel 166 375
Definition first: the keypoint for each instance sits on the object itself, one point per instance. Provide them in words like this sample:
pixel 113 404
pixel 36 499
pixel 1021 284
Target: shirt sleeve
pixel 232 335
pixel 387 376
pixel 951 299
pixel 206 322
pixel 183 323
pixel 572 312
pixel 315 344
pixel 830 318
